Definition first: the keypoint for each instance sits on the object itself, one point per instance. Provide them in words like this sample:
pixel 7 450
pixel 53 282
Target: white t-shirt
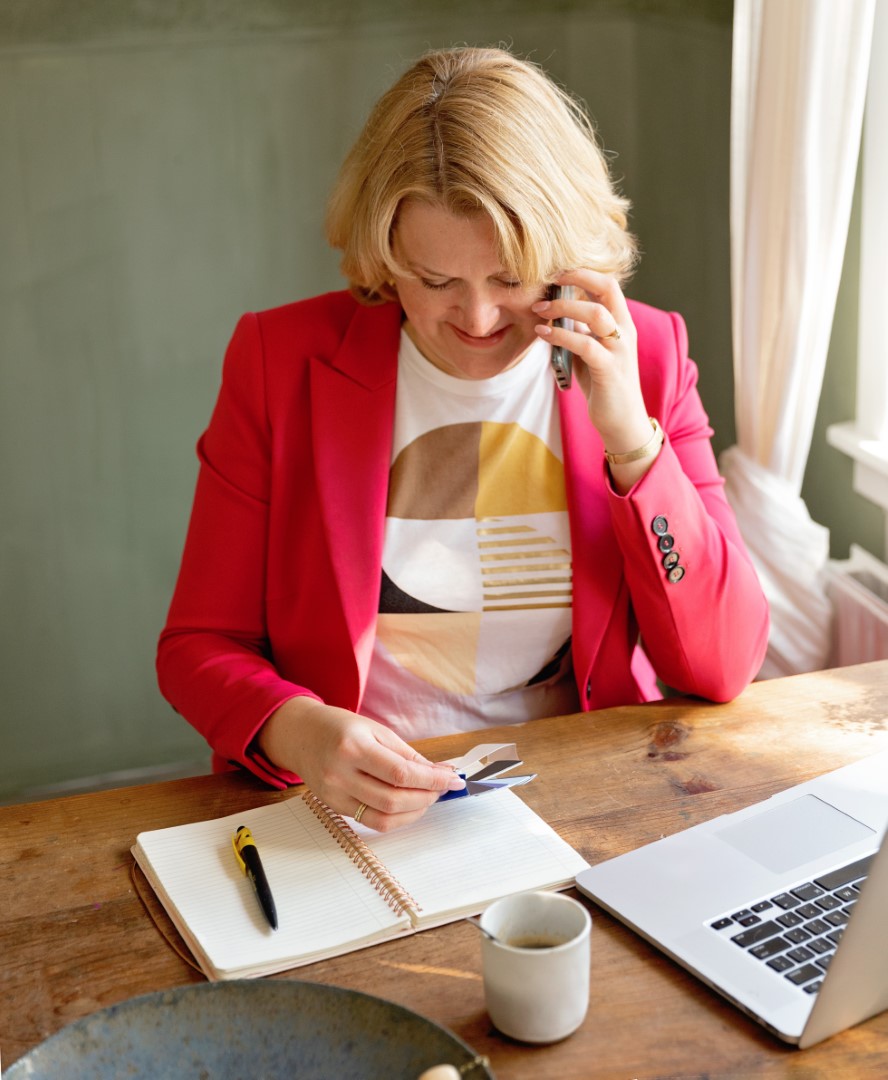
pixel 475 601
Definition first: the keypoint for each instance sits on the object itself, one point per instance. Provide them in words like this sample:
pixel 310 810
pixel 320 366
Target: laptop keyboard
pixel 795 933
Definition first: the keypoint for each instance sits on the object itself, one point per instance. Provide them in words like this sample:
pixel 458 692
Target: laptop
pixel 781 907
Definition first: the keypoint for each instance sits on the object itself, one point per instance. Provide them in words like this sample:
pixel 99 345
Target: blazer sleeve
pixel 705 630
pixel 213 657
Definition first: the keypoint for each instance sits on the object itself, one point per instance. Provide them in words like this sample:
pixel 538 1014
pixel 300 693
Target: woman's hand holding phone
pixel 590 318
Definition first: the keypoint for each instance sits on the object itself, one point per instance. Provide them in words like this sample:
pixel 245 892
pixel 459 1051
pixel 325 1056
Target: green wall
pixel 163 168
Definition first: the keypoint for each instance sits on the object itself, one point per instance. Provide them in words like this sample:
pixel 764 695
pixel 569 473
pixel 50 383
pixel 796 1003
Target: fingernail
pixel 543 329
pixel 457 783
pixel 540 305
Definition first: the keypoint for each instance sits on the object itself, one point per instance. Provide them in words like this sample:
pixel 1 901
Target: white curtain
pixel 798 88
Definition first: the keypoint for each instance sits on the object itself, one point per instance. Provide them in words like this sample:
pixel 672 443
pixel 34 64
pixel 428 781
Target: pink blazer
pixel 279 584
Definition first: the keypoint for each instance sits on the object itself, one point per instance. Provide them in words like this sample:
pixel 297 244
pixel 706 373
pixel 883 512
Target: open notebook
pixel 339 886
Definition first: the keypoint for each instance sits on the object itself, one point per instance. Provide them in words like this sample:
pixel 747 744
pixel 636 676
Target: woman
pixel 401 526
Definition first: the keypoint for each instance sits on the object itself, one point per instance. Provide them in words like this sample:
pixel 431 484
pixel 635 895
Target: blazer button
pixel 666 543
pixel 660 525
pixel 670 560
pixel 589 689
pixel 675 575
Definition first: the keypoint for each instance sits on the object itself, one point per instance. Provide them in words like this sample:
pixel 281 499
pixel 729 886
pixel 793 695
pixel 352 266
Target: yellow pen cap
pixel 241 839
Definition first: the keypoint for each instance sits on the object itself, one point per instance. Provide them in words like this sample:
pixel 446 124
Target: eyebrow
pixel 426 271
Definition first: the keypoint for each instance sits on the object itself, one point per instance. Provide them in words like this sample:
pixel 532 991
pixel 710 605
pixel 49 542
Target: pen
pixel 247 855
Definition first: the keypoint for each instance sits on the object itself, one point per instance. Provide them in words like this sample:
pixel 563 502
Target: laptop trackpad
pixel 794 833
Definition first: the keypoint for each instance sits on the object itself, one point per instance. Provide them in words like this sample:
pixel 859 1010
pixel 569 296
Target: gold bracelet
pixel 648 450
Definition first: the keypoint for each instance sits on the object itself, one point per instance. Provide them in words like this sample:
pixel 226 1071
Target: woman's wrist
pixel 649 448
pixel 627 468
pixel 276 736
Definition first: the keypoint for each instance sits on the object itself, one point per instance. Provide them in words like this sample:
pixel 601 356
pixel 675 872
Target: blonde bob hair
pixel 478 130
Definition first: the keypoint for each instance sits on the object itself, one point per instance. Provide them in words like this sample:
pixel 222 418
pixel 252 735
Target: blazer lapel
pixel 352 405
pixel 597 560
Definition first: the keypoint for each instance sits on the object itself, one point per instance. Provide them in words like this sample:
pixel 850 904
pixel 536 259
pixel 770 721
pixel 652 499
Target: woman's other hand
pixel 348 760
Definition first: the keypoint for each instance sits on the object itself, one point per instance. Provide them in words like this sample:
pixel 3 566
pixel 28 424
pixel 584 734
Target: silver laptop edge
pixel 671 890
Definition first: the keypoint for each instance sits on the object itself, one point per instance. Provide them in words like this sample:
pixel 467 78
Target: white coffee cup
pixel 536 966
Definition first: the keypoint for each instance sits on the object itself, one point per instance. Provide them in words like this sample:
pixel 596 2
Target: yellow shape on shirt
pixel 517 474
pixel 440 649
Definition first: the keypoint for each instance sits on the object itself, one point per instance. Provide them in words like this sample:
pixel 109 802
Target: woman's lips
pixel 488 341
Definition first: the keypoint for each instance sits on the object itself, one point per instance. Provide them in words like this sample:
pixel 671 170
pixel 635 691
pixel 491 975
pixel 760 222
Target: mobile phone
pixel 562 359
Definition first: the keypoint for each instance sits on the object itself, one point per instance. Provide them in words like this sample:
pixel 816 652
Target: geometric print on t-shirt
pixel 478 531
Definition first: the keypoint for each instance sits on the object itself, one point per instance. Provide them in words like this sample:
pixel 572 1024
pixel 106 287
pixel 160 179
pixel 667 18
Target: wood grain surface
pixel 76 937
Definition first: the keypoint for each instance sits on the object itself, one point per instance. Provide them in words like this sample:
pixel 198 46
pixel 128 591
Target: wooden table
pixel 75 937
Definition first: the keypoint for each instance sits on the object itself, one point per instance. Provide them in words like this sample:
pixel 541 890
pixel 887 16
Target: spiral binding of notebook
pixel 384 882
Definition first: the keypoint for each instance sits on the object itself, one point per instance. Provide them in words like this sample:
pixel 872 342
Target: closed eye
pixel 438 285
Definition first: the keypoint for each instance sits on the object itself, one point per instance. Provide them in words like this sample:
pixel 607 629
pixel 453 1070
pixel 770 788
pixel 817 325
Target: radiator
pixel 858 590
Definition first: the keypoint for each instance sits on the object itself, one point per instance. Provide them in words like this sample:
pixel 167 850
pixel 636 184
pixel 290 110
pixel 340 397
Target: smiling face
pixel 464 310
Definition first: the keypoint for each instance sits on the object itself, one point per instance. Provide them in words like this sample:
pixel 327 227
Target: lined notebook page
pixel 325 905
pixel 464 853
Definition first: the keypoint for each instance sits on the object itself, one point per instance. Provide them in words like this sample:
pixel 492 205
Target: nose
pixel 479 312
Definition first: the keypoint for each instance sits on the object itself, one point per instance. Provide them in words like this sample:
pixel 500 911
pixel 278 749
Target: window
pixel 865 439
